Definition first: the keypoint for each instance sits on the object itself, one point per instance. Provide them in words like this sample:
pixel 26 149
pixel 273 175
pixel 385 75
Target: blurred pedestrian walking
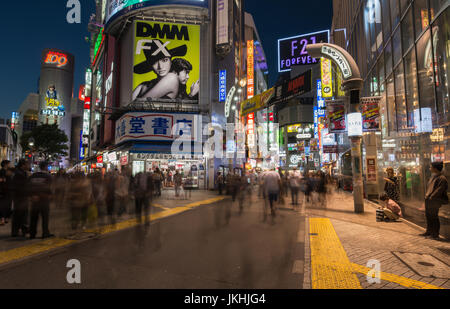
pixel 220 182
pixel 79 197
pixel 122 193
pixel 294 185
pixel 178 182
pixel 391 187
pixel 21 192
pixel 143 188
pixel 272 185
pixel 41 196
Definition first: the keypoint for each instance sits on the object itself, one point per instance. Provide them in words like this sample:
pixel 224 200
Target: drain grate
pixel 444 250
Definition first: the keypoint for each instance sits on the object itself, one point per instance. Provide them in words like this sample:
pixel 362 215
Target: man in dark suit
pixel 435 196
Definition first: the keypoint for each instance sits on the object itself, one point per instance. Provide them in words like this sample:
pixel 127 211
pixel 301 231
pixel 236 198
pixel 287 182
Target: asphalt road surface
pixel 197 249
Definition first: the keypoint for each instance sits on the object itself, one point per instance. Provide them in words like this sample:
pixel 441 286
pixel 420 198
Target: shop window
pixel 400 97
pixel 386 18
pixel 397 46
pixel 407 31
pixel 395 13
pixel 425 71
pixel 421 17
pixel 390 100
pixel 441 39
pixel 437 5
pixel 404 5
pixel 380 66
pixel 384 115
pixel 388 58
pixel 412 96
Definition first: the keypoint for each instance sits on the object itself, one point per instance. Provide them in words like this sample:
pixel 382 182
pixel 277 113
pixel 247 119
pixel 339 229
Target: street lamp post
pixel 352 85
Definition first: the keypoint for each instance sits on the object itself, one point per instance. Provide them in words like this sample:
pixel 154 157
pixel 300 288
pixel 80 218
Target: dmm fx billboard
pixel 158 127
pixel 166 61
pixel 292 50
pixel 116 8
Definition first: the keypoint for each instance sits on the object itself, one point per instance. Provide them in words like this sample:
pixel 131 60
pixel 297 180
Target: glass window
pixel 441 39
pixel 425 71
pixel 404 5
pixel 381 72
pixel 412 97
pixel 397 46
pixel 407 31
pixel 402 122
pixel 390 95
pixel 386 16
pixel 395 13
pixel 421 16
pixel 436 6
pixel 388 58
pixel 383 113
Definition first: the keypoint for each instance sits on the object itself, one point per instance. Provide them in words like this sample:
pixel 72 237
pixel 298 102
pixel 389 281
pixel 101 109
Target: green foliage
pixel 49 141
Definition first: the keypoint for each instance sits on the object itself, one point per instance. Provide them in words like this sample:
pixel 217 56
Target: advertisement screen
pixel 166 61
pixel 292 50
pixel 116 8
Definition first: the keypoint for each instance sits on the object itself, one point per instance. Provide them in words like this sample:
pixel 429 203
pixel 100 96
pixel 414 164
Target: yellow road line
pixel 53 243
pixel 40 247
pixel 330 266
pixel 403 281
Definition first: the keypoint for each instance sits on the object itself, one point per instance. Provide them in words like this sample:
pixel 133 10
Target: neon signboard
pixel 250 70
pixel 222 85
pixel 59 59
pixel 292 50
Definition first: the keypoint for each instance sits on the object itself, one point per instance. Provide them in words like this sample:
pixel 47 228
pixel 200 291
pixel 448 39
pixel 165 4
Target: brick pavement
pixel 364 239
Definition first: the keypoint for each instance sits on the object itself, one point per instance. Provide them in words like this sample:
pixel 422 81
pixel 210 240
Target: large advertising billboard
pixel 292 50
pixel 166 61
pixel 116 8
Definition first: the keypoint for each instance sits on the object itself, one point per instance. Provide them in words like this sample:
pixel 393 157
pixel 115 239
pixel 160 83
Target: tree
pixel 49 141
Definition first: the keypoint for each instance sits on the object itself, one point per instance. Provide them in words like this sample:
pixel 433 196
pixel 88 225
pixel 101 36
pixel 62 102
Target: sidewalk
pixel 59 224
pixel 340 243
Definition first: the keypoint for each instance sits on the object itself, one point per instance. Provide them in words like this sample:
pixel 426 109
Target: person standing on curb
pixel 435 197
pixel 5 198
pixel 20 189
pixel 219 182
pixel 41 183
pixel 294 184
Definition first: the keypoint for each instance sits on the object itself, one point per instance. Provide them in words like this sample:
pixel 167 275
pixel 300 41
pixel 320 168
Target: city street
pixel 193 250
pixel 197 249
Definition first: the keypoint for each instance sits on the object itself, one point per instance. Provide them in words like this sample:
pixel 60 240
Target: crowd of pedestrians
pixel 96 199
pixel 274 187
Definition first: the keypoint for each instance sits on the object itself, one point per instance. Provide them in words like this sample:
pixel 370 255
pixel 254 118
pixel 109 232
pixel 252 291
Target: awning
pixel 165 148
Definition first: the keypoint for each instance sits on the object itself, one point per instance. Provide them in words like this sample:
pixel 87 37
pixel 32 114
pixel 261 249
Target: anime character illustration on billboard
pixel 167 60
pixel 52 99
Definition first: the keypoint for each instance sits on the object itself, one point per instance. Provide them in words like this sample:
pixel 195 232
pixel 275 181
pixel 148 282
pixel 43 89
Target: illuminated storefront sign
pixel 59 59
pixel 14 120
pixel 98 44
pixel 339 59
pixel 116 8
pixel 81 93
pixel 251 130
pixel 222 36
pixel 354 122
pixel 250 70
pixel 222 85
pixel 292 50
pixel 327 78
pixel 158 127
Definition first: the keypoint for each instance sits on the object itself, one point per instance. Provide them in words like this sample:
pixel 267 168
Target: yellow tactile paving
pixel 330 266
pixel 406 282
pixel 40 247
pixel 53 243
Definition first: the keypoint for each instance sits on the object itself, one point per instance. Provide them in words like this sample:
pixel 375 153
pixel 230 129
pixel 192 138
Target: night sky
pixel 28 28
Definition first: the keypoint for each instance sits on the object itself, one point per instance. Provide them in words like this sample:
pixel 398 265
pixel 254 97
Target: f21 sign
pixel 292 50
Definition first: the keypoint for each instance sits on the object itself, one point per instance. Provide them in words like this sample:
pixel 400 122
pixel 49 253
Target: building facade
pixel 402 50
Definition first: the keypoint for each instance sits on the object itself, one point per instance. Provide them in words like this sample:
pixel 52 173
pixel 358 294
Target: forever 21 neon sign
pixel 59 59
pixel 292 50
